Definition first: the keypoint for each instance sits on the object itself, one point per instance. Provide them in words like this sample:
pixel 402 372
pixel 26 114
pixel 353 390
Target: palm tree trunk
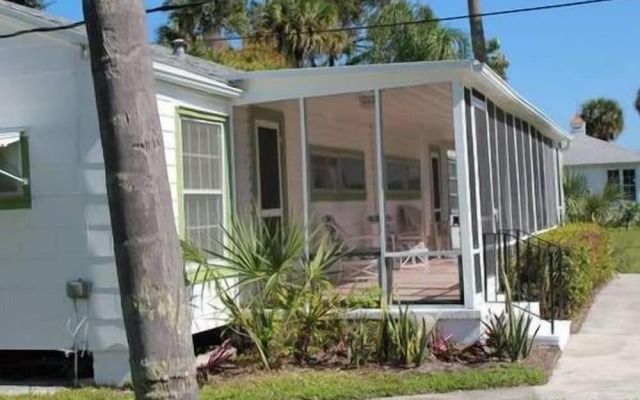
pixel 150 271
pixel 477 31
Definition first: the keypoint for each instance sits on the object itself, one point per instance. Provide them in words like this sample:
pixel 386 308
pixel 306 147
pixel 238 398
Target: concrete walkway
pixel 602 362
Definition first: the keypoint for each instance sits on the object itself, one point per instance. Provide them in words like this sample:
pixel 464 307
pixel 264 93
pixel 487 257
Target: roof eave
pixel 483 73
pixel 177 76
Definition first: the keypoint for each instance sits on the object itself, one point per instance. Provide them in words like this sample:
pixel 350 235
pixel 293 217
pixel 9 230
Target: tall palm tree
pixel 637 103
pixel 604 118
pixel 477 31
pixel 410 42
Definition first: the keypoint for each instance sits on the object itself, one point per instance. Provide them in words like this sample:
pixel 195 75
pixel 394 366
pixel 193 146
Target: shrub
pixel 586 265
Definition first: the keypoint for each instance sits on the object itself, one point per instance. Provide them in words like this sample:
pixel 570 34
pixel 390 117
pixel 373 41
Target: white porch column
pixel 381 193
pixel 464 197
pixel 232 159
pixel 304 165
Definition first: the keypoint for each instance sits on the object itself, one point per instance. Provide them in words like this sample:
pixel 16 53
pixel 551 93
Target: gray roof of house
pixel 585 150
pixel 159 53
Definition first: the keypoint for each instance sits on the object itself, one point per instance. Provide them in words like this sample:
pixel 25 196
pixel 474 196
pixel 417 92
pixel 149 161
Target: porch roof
pixel 275 85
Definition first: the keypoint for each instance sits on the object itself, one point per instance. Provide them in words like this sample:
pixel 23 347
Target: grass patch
pixel 626 249
pixel 337 385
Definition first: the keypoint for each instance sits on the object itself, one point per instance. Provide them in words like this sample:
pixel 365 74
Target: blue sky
pixel 559 58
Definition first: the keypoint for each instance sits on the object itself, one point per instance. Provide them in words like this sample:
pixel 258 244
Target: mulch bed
pixel 543 357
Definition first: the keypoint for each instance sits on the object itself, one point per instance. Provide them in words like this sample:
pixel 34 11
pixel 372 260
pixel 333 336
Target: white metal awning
pixel 8 138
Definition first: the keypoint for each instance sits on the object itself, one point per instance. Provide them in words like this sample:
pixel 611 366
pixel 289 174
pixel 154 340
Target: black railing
pixel 531 267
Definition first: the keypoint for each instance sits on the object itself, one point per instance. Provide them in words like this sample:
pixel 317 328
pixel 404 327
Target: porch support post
pixel 304 161
pixel 381 195
pixel 464 197
pixel 232 160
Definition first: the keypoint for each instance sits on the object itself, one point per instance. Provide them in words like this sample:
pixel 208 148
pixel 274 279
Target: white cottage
pixel 445 153
pixel 601 162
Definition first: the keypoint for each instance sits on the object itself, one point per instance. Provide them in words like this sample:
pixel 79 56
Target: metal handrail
pixel 512 247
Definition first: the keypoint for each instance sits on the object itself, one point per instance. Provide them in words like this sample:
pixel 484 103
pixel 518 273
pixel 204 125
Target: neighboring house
pixel 602 162
pixel 445 151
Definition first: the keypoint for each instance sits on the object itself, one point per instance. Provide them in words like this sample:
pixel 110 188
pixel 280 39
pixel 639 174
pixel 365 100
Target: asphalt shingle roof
pixel 159 53
pixel 585 150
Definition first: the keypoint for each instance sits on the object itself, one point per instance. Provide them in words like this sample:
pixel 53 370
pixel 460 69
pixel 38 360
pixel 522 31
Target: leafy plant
pixel 508 335
pixel 407 336
pixel 444 348
pixel 359 342
pixel 276 297
pixel 220 355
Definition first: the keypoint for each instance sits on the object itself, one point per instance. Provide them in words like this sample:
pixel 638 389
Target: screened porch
pixel 406 165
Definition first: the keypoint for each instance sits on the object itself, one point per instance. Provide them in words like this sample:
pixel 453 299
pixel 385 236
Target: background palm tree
pixel 296 28
pixel 604 118
pixel 200 26
pixel 637 103
pixel 410 42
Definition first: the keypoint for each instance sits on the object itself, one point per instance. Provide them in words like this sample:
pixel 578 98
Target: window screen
pixel 11 174
pixel 543 187
pixel 513 173
pixel 629 184
pixel 335 171
pixel 472 170
pixel 503 162
pixel 529 178
pixel 535 143
pixel 613 176
pixel 203 183
pixel 495 157
pixel 403 175
pixel 522 176
pixel 484 168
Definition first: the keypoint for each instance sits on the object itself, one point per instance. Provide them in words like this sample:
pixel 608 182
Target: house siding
pixel 596 175
pixel 47 90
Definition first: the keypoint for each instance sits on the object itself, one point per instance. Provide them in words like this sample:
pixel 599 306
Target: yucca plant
pixel 358 342
pixel 508 333
pixel 410 338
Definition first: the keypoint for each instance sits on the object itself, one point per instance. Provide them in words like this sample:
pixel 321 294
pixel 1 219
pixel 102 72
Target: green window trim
pixel 328 195
pixel 403 195
pixel 183 112
pixel 22 201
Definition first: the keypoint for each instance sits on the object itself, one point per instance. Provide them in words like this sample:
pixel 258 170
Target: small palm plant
pixel 275 295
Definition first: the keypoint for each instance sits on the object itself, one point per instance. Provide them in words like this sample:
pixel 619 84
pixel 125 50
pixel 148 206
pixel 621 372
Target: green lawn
pixel 626 249
pixel 337 385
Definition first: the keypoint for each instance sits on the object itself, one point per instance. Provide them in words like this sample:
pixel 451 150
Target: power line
pixel 167 8
pixel 163 8
pixel 431 20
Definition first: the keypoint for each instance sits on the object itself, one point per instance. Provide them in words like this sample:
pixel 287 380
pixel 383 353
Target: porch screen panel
pixel 536 179
pixel 551 192
pixel 513 173
pixel 484 167
pixel 503 171
pixel 495 156
pixel 528 170
pixel 473 195
pixel 543 183
pixel 522 176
